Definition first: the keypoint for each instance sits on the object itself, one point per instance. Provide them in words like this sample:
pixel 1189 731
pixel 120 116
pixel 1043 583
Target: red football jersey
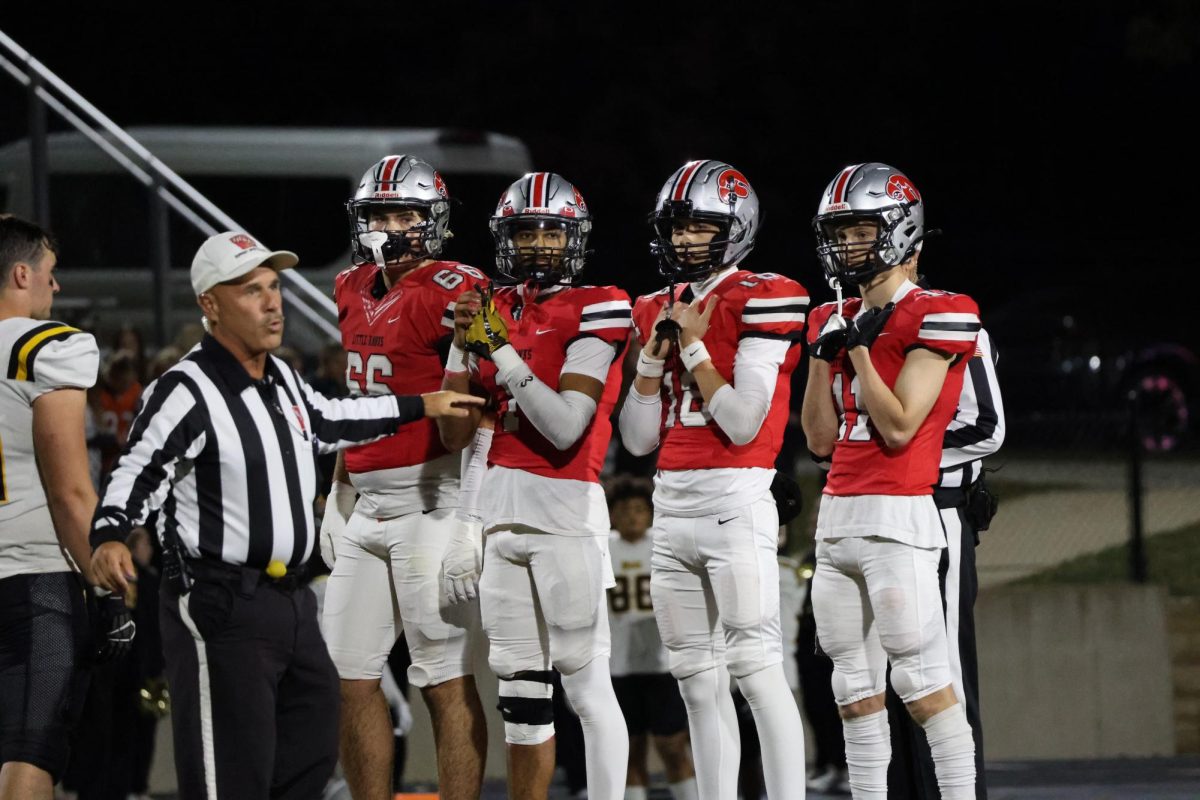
pixel 752 304
pixel 541 332
pixel 392 338
pixel 944 322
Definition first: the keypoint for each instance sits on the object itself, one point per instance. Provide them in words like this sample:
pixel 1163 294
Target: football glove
pixel 488 331
pixel 463 561
pixel 832 340
pixel 339 505
pixel 863 331
pixel 113 628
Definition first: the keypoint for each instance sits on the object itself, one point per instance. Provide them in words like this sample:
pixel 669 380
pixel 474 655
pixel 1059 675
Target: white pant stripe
pixel 953 527
pixel 206 717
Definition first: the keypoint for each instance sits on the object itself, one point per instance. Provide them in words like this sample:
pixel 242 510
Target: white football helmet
pixel 399 181
pixel 547 201
pixel 707 191
pixel 874 193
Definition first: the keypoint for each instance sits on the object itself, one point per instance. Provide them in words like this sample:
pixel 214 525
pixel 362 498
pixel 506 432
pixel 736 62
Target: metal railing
pixel 167 191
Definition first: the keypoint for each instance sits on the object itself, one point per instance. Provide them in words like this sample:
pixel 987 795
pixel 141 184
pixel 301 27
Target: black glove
pixel 112 626
pixel 832 341
pixel 866 328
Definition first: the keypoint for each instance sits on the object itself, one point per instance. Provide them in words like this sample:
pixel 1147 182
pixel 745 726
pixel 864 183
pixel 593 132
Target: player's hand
pixel 450 404
pixel 113 628
pixel 693 319
pixel 112 567
pixel 465 308
pixel 832 340
pixel 339 505
pixel 863 331
pixel 463 562
pixel 488 331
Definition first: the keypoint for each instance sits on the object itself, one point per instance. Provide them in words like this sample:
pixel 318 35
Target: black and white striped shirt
pixel 977 429
pixel 230 461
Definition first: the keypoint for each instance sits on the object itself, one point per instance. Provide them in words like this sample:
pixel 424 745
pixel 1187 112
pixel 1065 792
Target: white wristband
pixel 456 360
pixel 649 367
pixel 693 355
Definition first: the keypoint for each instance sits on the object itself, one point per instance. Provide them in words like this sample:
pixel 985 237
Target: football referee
pixel 225 444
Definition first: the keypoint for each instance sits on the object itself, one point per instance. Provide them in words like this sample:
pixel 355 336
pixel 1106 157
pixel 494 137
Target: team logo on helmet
pixel 901 188
pixel 732 182
pixel 579 201
pixel 439 185
pixel 243 241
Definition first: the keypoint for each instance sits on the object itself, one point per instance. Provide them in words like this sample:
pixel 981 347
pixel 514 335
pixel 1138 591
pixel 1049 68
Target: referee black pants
pixel 911 773
pixel 254 694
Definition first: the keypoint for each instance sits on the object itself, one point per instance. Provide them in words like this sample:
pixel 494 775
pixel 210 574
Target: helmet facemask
pixel 691 261
pixel 540 264
pixel 392 247
pixel 858 262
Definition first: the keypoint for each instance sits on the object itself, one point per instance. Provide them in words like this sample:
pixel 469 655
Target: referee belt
pixel 243 578
pixel 949 496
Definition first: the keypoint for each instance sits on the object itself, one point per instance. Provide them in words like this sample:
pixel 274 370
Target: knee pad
pixel 527 706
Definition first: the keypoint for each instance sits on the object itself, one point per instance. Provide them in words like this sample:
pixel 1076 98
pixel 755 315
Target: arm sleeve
pixel 741 407
pixel 474 467
pixel 170 427
pixel 977 429
pixel 561 417
pixel 640 422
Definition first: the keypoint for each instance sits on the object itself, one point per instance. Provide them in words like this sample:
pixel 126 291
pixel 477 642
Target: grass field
pixel 1172 558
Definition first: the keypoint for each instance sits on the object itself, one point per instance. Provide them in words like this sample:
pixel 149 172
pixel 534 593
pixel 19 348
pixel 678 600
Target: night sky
pixel 1049 145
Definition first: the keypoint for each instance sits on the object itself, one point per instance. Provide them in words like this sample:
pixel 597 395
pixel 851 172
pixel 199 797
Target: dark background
pixel 1051 144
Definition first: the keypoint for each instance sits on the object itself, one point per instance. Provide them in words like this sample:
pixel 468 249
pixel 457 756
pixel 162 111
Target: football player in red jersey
pixel 716 399
pixel 883 384
pixel 395 310
pixel 548 352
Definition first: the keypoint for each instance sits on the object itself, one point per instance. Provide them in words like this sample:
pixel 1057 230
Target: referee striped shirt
pixel 977 429
pixel 231 461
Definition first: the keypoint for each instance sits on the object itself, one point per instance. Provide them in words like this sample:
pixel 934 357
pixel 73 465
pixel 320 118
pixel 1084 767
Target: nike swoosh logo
pixel 393 319
pixel 723 521
pixel 539 331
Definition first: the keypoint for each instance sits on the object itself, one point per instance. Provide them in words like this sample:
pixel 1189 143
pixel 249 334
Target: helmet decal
pixel 732 182
pixel 901 188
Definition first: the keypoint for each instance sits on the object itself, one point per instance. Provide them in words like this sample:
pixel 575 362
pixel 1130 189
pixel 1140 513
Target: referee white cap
pixel 230 255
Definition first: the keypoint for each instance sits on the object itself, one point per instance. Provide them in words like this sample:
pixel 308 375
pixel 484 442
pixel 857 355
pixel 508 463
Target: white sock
pixel 605 737
pixel 953 750
pixel 868 751
pixel 685 790
pixel 712 721
pixel 635 793
pixel 780 731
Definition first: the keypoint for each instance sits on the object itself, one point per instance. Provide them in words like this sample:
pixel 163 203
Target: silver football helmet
pixel 707 191
pixel 399 181
pixel 877 194
pixel 541 201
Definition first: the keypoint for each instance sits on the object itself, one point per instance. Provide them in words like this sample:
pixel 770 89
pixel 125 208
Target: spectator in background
pixel 120 390
pixel 129 339
pixel 163 360
pixel 331 371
